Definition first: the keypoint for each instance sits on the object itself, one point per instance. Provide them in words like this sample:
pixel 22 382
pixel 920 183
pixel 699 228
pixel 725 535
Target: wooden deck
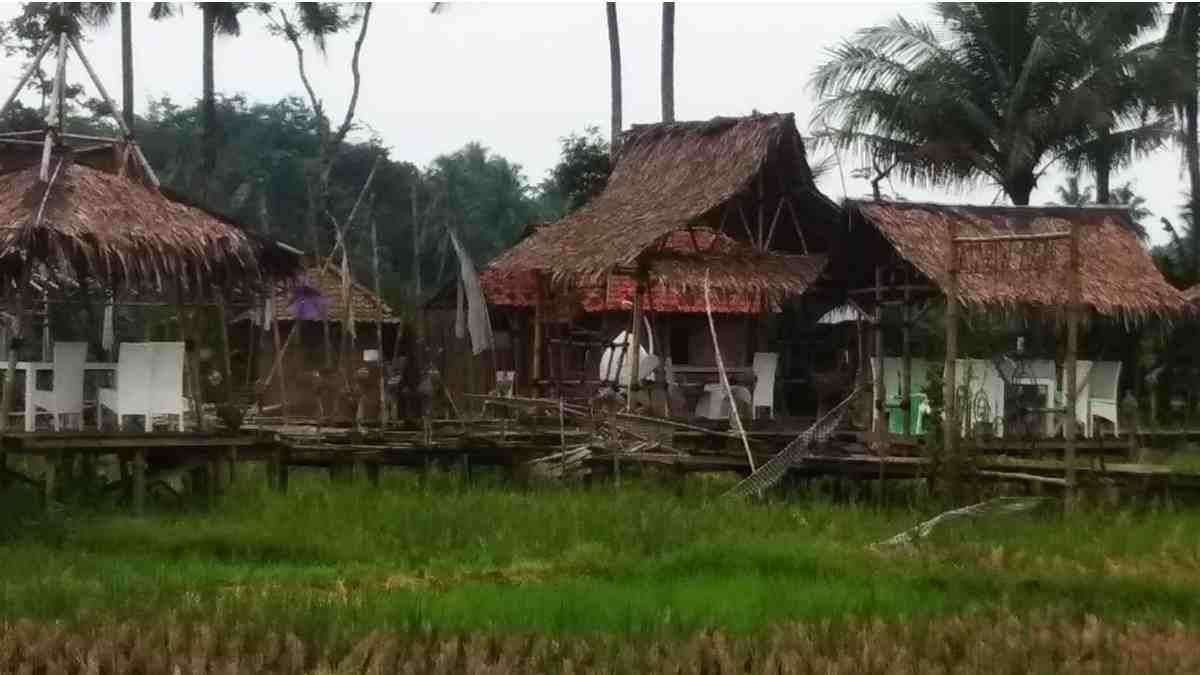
pixel 152 459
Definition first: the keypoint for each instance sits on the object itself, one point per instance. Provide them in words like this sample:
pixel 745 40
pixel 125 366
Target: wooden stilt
pixel 950 430
pixel 139 481
pixel 49 480
pixel 880 394
pixel 906 359
pixel 636 347
pixel 1073 307
pixel 539 337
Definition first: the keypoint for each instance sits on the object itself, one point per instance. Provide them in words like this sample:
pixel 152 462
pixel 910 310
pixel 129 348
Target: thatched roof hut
pixel 744 177
pixel 324 282
pixel 675 275
pixel 1117 275
pixel 112 230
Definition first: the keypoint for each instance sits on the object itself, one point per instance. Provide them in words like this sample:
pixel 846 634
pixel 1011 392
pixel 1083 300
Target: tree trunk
pixel 127 64
pixel 1103 164
pixel 614 59
pixel 668 62
pixel 1192 155
pixel 1019 187
pixel 209 152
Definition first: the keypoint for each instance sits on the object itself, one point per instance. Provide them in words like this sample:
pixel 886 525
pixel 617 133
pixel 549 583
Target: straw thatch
pixel 739 275
pixel 670 176
pixel 1192 294
pixel 1118 277
pixel 117 232
pixel 326 280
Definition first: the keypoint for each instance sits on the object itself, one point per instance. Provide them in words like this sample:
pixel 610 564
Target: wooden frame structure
pixel 997 258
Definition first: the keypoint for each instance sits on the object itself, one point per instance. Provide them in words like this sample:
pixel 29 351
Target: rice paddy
pixel 433 574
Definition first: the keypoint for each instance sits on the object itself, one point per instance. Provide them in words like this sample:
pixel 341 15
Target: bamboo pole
pixel 226 358
pixel 274 319
pixel 188 337
pixel 635 363
pixel 114 110
pixel 418 310
pixel 1073 304
pixel 538 332
pixel 906 359
pixel 879 382
pixel 37 61
pixel 19 330
pixel 383 407
pixel 950 431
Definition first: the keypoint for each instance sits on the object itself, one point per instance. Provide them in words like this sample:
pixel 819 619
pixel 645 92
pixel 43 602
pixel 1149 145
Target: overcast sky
pixel 517 77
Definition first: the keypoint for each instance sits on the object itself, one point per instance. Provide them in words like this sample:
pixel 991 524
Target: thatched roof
pixel 119 233
pixel 1192 294
pixel 668 177
pixel 1118 277
pixel 739 275
pixel 326 280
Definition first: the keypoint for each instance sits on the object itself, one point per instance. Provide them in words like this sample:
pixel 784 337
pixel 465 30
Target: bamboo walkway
pixel 151 461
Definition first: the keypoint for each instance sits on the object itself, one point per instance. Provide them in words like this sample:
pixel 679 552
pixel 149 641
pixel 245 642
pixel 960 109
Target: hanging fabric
pixel 106 329
pixel 479 325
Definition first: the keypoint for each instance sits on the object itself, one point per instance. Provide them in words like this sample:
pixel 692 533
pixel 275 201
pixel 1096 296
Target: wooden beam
pixel 906 360
pixel 29 71
pixel 1073 305
pixel 950 430
pixel 796 224
pixel 539 320
pixel 636 347
pixel 921 288
pixel 1004 238
pixel 879 394
pixel 774 222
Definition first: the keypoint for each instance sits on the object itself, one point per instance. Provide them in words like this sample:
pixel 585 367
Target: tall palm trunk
pixel 614 60
pixel 1191 139
pixel 209 105
pixel 127 63
pixel 1102 163
pixel 668 62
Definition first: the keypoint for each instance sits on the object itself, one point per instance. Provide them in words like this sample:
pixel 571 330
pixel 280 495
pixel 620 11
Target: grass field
pixel 596 578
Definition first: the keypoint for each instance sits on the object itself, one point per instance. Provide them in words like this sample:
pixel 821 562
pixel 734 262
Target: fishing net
pixel 774 469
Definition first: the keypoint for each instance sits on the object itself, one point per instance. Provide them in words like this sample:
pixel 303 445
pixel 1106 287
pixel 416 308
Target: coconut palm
pixel 1181 46
pixel 1072 193
pixel 1000 92
pixel 668 62
pixel 614 61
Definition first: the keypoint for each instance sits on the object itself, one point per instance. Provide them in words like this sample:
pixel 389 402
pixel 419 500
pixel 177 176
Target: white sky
pixel 517 77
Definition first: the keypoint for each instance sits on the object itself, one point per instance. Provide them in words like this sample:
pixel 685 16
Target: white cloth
pixel 479 325
pixel 106 330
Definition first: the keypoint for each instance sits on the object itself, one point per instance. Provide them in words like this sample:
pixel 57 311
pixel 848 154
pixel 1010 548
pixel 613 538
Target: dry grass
pixel 977 642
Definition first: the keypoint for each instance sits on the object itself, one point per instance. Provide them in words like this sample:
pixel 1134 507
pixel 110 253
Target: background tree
pixel 614 64
pixel 1181 45
pixel 1001 92
pixel 581 174
pixel 668 62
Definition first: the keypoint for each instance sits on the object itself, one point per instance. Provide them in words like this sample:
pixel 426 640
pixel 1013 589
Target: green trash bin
pixel 896 423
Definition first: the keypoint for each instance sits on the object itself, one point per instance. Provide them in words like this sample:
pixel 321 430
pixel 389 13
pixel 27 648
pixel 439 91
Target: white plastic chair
pixel 616 360
pixel 765 366
pixel 66 398
pixel 1104 382
pixel 149 382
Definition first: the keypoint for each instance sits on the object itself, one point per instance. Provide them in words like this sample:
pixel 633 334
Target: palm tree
pixel 1000 93
pixel 668 62
pixel 1181 46
pixel 614 60
pixel 1071 194
pixel 219 18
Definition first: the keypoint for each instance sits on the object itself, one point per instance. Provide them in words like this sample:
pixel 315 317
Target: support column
pixel 950 430
pixel 1073 303
pixel 880 396
pixel 906 358
pixel 539 320
pixel 139 481
pixel 636 348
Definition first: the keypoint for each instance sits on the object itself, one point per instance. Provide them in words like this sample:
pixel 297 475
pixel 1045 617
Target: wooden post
pixel 418 308
pixel 880 383
pixel 139 481
pixel 950 431
pixel 226 357
pixel 636 347
pixel 906 358
pixel 186 333
pixel 10 377
pixel 274 319
pixel 49 479
pixel 538 333
pixel 1073 305
pixel 382 378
